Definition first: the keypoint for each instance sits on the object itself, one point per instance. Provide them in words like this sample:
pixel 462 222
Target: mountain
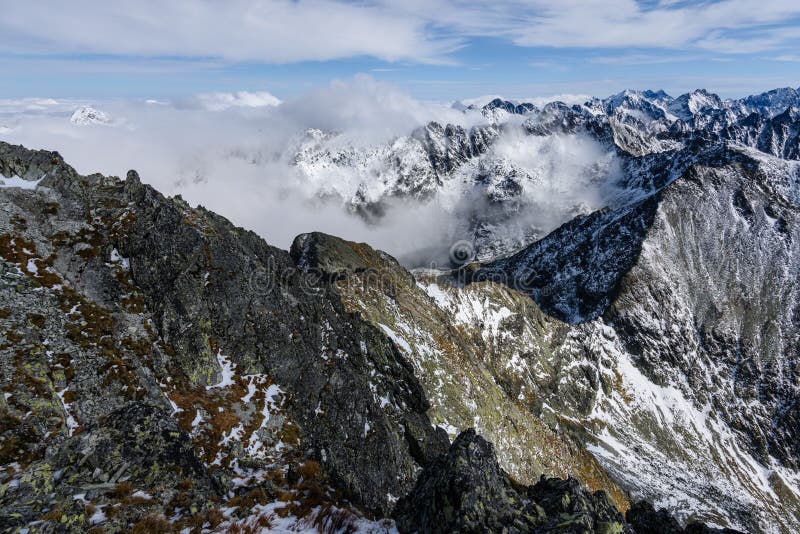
pixel 498 110
pixel 488 179
pixel 87 115
pixel 770 103
pixel 620 354
pixel 700 102
pixel 164 369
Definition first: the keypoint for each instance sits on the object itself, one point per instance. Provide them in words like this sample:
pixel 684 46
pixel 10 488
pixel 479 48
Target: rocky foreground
pixel 163 370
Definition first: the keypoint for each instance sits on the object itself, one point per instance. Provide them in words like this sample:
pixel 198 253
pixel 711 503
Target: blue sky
pixel 435 50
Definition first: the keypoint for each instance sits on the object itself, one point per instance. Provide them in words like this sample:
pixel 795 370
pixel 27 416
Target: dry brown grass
pixel 191 398
pixel 36 319
pixel 215 517
pixel 122 490
pixel 152 524
pixel 331 520
pixel 309 470
pixel 250 499
pixel 53 515
pixel 69 396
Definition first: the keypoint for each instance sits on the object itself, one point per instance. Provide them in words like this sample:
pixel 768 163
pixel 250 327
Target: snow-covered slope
pixel 688 300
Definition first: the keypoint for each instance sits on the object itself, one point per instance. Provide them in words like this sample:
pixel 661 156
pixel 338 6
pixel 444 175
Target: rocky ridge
pixel 125 308
pixel 164 371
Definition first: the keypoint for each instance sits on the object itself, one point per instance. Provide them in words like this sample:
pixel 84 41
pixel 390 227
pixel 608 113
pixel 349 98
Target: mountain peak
pixel 686 106
pixel 87 115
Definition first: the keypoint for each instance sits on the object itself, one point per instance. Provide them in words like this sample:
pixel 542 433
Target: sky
pixel 434 50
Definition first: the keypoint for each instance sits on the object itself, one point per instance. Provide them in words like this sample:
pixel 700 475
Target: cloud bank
pixel 233 153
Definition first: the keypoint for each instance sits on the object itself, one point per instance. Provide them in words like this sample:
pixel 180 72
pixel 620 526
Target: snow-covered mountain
pixel 86 115
pixel 496 180
pixel 671 274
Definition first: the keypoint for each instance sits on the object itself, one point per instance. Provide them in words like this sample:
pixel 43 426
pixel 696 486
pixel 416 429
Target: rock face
pixel 465 491
pixel 574 272
pixel 644 519
pixel 453 493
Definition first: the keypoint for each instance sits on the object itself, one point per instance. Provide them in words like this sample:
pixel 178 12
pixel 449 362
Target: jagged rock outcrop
pixel 471 350
pixel 465 491
pixel 644 519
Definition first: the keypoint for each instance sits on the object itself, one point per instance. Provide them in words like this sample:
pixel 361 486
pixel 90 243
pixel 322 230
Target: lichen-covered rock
pixel 465 491
pixel 570 508
pixel 335 258
pixel 213 287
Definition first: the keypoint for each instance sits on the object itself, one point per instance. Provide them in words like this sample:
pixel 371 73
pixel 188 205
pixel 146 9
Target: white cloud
pixel 15 105
pixel 284 31
pixel 625 23
pixel 237 161
pixel 621 23
pixel 785 57
pixel 242 99
pixel 642 59
pixel 279 31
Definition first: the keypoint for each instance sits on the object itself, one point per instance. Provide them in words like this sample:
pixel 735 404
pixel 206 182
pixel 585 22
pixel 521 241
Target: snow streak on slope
pixel 656 442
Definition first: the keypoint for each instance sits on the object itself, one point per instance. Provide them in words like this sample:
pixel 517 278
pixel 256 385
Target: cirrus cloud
pixel 426 31
pixel 278 31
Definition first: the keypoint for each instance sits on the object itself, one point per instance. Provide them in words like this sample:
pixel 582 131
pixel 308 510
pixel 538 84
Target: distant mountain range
pixel 492 176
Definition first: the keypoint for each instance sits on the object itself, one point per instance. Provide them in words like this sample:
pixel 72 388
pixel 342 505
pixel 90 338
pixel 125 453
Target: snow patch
pixel 16 181
pixel 228 371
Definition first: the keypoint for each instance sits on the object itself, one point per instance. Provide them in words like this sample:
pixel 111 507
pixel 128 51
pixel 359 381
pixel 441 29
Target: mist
pixel 233 153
